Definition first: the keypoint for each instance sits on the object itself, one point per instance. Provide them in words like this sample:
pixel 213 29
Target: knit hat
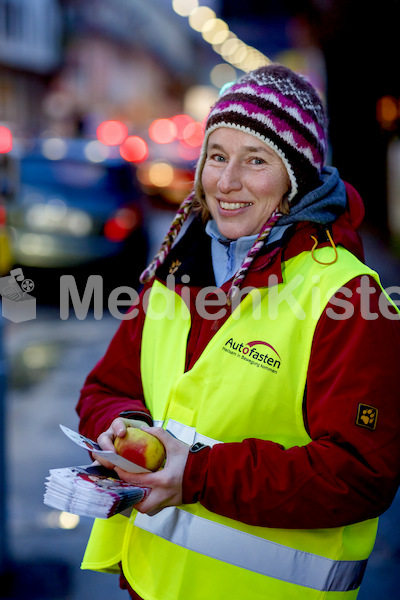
pixel 283 110
pixel 280 108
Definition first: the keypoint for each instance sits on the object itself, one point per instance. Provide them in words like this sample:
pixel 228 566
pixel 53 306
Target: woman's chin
pixel 234 232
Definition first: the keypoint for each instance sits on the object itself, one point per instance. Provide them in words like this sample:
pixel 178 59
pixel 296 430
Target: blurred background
pixel 101 120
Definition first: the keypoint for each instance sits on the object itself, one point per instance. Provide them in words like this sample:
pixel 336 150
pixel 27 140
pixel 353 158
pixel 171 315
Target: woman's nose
pixel 229 179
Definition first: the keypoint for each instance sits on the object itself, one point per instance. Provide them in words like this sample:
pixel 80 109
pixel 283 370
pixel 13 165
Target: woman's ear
pixel 284 206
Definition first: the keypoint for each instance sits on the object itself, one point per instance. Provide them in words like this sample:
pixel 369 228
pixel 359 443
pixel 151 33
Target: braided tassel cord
pixel 174 229
pixel 254 250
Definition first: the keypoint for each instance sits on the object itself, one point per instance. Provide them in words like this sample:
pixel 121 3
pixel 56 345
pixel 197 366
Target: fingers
pixel 156 497
pixel 103 462
pixel 160 496
pixel 151 504
pixel 117 429
pixel 120 424
pixel 135 423
pixel 169 441
pixel 165 484
pixel 106 440
pixel 139 479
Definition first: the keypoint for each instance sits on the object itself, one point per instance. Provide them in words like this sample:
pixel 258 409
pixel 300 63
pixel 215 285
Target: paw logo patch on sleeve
pixel 367 416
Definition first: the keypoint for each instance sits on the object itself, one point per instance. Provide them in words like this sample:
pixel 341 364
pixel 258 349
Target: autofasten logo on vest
pixel 256 353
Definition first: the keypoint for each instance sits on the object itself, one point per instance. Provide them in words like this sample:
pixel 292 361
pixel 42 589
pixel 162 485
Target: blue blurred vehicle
pixel 78 203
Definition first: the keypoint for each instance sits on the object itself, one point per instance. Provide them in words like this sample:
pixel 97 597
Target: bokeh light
pixel 180 122
pixel 387 112
pixel 120 225
pixel 229 47
pixel 161 174
pixel 215 31
pixel 5 139
pixel 54 148
pixel 96 151
pixel 68 520
pixel 222 74
pixel 134 149
pixel 184 7
pixel 239 55
pixel 200 16
pixel 61 519
pixel 163 131
pixel 193 134
pixel 198 99
pixel 112 133
pixel 188 153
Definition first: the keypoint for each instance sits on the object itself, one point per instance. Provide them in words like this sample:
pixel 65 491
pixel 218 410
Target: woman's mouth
pixel 234 205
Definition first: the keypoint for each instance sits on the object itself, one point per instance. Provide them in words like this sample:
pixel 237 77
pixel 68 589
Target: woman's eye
pixel 257 161
pixel 218 158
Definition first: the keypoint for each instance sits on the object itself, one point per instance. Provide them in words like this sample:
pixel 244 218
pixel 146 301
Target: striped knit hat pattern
pixel 283 110
pixel 280 108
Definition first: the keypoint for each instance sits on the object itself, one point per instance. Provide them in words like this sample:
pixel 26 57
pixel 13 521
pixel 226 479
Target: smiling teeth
pixel 234 205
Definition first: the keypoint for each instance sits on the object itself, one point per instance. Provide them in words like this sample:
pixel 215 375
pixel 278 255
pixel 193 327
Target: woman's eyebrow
pixel 261 148
pixel 215 146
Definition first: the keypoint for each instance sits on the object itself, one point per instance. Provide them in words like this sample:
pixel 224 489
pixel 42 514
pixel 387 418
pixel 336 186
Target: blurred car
pixel 78 203
pixel 170 182
pixel 167 176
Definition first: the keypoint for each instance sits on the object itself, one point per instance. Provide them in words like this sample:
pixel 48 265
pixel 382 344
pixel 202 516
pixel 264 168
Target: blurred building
pixel 67 64
pixel 126 59
pixel 30 52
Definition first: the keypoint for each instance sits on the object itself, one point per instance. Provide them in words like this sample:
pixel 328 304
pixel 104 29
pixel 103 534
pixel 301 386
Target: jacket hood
pixel 322 205
pixel 336 205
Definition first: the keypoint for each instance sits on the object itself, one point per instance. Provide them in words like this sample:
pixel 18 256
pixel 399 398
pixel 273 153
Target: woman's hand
pixel 165 485
pixel 116 429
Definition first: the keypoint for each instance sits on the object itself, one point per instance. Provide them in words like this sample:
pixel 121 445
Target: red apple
pixel 141 448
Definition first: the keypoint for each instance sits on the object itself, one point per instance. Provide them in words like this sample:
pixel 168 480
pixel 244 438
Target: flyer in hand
pixel 91 490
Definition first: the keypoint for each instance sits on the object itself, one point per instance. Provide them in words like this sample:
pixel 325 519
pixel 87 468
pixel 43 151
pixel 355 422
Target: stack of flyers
pixel 92 490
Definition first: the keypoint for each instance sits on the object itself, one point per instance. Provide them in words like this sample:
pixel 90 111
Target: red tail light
pixel 2 216
pixel 6 141
pixel 121 224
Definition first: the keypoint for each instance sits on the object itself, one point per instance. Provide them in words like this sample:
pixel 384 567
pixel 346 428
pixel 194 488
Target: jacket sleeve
pixel 115 383
pixel 348 472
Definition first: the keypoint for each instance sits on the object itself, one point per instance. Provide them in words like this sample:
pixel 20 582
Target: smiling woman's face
pixel 243 180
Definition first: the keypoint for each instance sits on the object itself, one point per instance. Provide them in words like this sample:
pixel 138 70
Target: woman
pixel 267 348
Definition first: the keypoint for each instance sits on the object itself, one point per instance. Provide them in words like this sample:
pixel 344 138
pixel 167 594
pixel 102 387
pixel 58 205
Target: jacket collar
pixel 191 255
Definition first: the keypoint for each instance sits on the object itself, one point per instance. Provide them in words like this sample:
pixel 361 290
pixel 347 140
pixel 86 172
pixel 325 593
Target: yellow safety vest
pixel 248 383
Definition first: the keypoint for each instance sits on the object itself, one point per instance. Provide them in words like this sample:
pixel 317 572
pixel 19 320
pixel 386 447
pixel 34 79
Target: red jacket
pixel 347 473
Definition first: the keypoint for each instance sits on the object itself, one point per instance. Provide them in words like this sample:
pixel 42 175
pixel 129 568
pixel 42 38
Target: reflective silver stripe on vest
pixel 244 550
pixel 186 434
pixel 253 553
